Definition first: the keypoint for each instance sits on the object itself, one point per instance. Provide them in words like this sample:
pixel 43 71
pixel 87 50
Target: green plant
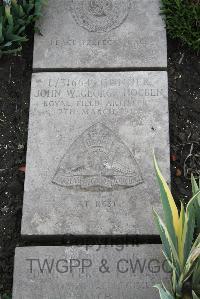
pixel 183 20
pixel 181 249
pixel 6 296
pixel 15 16
pixel 195 189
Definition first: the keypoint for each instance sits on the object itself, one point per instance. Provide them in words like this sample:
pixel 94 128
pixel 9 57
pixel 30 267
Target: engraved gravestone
pixel 89 272
pixel 90 153
pixel 100 34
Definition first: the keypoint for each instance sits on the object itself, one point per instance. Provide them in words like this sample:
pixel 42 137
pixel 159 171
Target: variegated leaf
pixel 169 206
pixel 164 294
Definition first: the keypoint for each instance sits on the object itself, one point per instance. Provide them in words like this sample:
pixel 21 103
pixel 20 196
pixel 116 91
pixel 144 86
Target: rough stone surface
pixel 93 272
pixel 90 153
pixel 101 34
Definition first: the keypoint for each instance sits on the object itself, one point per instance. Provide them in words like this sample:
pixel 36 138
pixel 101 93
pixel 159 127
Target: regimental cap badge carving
pixel 100 15
pixel 98 160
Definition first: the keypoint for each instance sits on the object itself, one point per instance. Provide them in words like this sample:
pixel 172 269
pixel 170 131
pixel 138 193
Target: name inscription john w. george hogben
pixel 89 158
pixel 101 34
pixel 89 272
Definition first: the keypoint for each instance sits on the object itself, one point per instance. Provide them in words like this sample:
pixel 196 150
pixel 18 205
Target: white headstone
pixel 101 34
pixel 90 153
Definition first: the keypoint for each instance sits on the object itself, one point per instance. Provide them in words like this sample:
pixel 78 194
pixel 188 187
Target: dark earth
pixel 15 79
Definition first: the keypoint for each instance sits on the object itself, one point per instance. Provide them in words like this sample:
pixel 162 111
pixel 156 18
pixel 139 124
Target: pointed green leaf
pixel 1 33
pixel 164 294
pixel 195 187
pixel 196 276
pixel 195 190
pixel 165 242
pixel 191 206
pixel 188 235
pixel 193 261
pixel 194 295
pixel 167 202
pixel 168 246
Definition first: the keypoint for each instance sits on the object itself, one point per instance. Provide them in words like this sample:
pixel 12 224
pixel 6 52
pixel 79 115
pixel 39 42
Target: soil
pixel 184 117
pixel 15 79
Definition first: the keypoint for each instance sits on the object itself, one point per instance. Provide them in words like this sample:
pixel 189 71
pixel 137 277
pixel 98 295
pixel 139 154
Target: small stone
pixel 178 172
pixel 4 210
pixel 173 157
